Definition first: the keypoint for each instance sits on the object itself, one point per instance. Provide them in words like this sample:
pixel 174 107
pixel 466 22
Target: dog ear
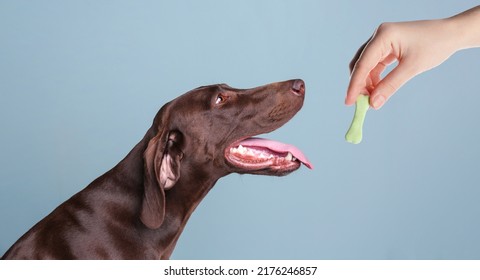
pixel 161 171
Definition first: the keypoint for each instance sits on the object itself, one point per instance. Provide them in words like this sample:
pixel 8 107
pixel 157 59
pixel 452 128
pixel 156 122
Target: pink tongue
pixel 277 147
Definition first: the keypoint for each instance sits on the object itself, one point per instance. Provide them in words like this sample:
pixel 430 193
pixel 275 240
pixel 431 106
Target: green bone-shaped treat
pixel 354 133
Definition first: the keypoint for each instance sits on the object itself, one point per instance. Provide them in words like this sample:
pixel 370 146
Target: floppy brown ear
pixel 161 171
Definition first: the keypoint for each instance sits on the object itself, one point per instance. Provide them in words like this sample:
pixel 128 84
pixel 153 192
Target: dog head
pixel 209 132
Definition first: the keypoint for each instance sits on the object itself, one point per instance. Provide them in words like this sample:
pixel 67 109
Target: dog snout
pixel 298 87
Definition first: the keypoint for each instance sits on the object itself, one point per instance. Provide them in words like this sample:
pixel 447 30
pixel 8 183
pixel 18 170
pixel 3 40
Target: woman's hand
pixel 417 46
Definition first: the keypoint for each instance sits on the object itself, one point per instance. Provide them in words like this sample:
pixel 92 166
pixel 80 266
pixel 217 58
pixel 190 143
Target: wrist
pixel 464 28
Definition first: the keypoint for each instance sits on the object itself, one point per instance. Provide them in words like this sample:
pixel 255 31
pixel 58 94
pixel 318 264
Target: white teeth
pixel 253 153
pixel 242 150
pixel 289 156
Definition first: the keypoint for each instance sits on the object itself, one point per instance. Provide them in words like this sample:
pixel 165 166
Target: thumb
pixel 390 84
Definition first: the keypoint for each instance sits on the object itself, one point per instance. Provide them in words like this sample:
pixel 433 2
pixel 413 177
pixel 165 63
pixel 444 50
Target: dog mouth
pixel 259 154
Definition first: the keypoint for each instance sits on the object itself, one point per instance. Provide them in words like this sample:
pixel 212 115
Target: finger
pixel 370 57
pixel 376 72
pixel 351 98
pixel 390 84
pixel 355 58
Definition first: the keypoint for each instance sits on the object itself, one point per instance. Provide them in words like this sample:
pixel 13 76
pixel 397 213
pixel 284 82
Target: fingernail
pixel 378 101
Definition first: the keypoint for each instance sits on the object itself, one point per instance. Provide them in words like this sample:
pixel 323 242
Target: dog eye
pixel 220 99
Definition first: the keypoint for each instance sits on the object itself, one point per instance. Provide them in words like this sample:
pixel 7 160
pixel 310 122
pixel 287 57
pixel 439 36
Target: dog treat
pixel 354 133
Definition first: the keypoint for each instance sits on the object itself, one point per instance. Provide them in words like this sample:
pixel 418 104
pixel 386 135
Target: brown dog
pixel 138 209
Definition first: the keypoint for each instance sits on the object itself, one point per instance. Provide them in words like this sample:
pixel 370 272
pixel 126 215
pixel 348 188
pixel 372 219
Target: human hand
pixel 417 46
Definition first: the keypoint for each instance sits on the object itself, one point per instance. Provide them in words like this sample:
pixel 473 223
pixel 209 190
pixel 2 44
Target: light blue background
pixel 80 82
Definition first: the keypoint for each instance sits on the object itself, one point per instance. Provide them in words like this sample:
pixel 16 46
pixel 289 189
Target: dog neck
pixel 181 200
pixel 179 207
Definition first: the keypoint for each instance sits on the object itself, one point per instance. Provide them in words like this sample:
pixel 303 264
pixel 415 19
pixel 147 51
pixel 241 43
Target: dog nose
pixel 298 87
